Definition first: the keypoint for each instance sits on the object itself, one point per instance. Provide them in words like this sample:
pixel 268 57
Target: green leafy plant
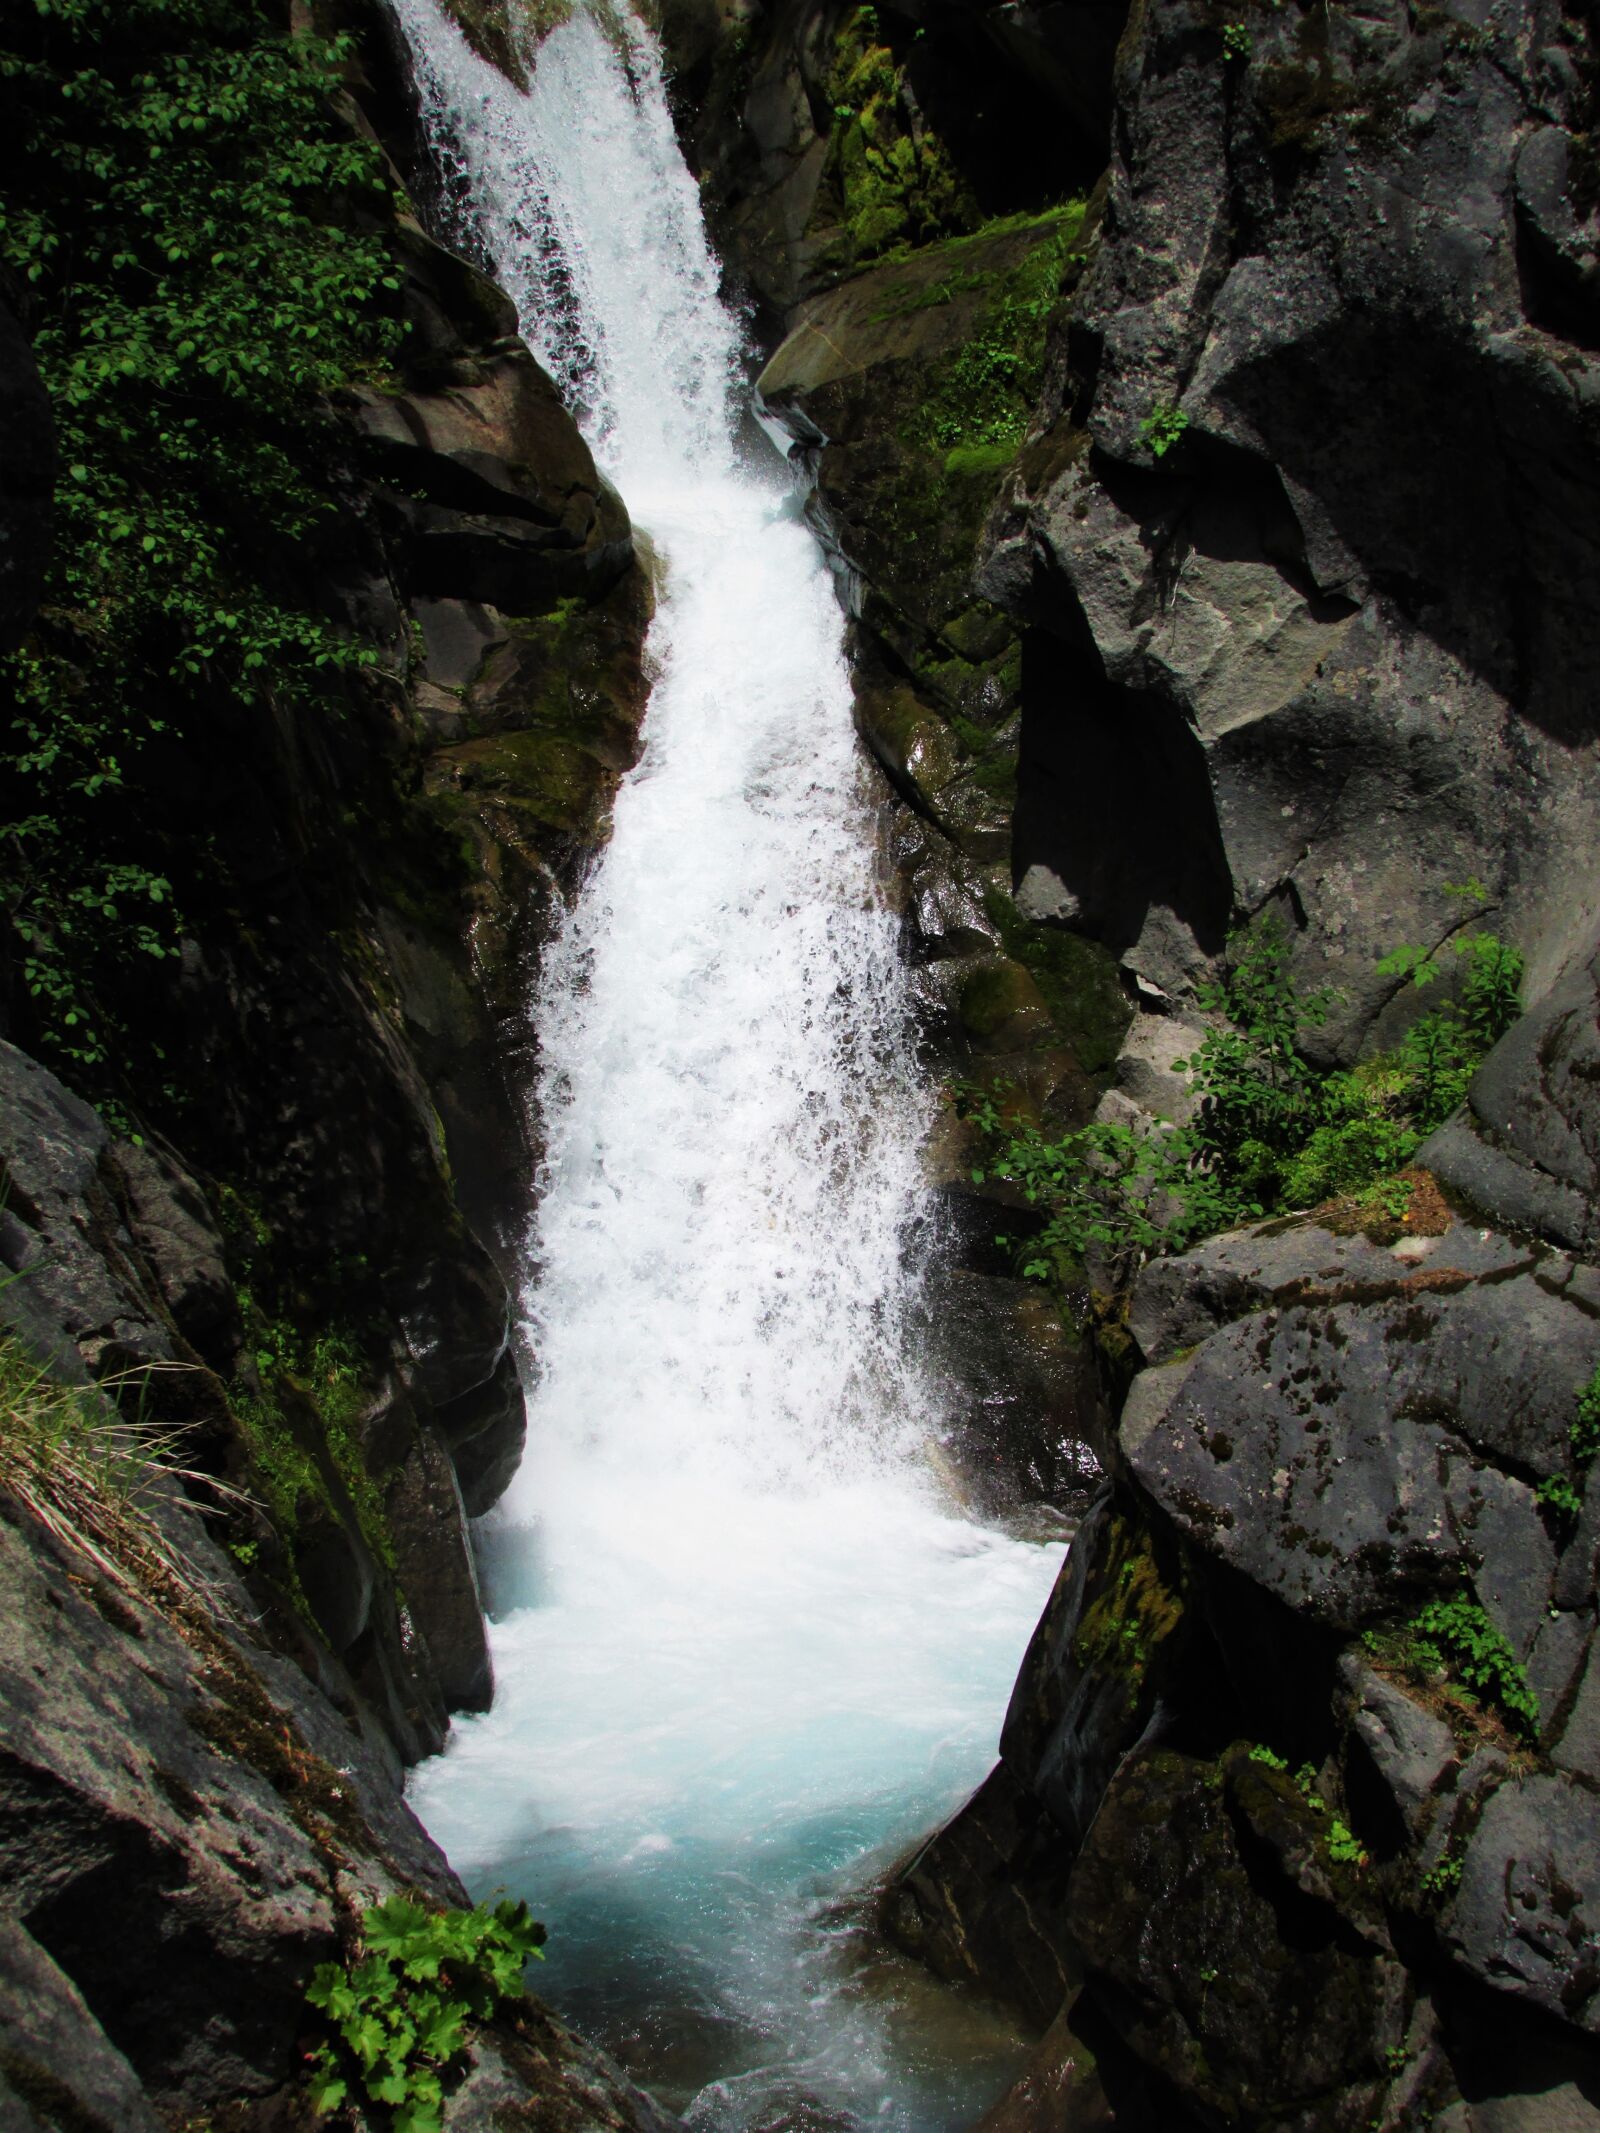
pixel 1584 1433
pixel 1102 1186
pixel 1260 1100
pixel 1344 1847
pixel 1489 998
pixel 398 2008
pixel 181 207
pixel 1442 1880
pixel 1456 1637
pixel 1162 427
pixel 1237 43
pixel 1262 1754
pixel 1561 1500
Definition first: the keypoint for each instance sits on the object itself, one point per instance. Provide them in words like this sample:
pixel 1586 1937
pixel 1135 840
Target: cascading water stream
pixel 743 1650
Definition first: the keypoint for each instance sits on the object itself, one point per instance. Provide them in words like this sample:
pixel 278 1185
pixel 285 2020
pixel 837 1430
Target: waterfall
pixel 744 1650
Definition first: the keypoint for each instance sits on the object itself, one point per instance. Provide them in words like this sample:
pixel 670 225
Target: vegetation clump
pixel 397 2010
pixel 1272 1130
pixel 1162 428
pixel 202 247
pixel 90 1475
pixel 1454 1644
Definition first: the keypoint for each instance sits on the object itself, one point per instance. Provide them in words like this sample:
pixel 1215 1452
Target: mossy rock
pixel 1077 980
pixel 1243 1980
pixel 887 178
pixel 1000 1007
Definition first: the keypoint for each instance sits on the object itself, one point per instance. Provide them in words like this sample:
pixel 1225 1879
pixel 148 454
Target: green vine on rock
pixel 398 2009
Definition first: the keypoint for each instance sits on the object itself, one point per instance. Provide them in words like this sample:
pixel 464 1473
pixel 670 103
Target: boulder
pixel 1181 1300
pixel 1098 1670
pixel 1229 1961
pixel 1358 1445
pixel 1526 1918
pixel 1021 1397
pixel 983 1902
pixel 493 493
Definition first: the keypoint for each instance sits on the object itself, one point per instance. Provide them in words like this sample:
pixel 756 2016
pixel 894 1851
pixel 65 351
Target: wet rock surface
pixel 187 1825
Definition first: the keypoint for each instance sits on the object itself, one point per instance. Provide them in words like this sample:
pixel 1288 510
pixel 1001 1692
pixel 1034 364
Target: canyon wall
pixel 264 1171
pixel 1217 514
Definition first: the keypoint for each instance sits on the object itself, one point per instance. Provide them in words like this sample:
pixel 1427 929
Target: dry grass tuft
pixel 90 1476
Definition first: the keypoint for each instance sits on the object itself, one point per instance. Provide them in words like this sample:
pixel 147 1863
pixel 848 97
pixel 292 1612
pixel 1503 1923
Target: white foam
pixel 742 1649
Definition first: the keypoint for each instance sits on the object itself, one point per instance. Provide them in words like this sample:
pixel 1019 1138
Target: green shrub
pixel 398 2009
pixel 1260 1099
pixel 179 204
pixel 1103 1186
pixel 1271 1130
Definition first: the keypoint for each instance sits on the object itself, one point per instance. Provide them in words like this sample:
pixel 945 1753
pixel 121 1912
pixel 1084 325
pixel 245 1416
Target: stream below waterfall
pixel 746 1652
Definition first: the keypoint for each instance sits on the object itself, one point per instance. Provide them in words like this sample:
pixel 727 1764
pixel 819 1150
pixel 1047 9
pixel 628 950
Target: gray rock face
pixel 1326 257
pixel 1527 1147
pixel 55 2059
pixel 119 1265
pixel 1527 1916
pixel 64 1236
pixel 1410 1750
pixel 179 1822
pixel 1179 1302
pixel 186 1828
pixel 1359 1441
pixel 1244 2019
pixel 493 493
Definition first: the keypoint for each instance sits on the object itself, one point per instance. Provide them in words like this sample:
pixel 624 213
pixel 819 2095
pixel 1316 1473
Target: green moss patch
pixel 1077 980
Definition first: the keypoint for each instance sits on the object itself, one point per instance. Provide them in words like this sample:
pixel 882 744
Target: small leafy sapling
pixel 1162 427
pixel 398 2008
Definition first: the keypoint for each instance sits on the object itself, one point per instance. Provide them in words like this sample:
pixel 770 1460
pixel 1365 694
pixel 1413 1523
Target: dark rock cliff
pixel 1277 593
pixel 286 1249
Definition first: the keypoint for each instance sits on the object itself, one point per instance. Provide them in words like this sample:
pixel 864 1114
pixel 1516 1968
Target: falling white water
pixel 744 1652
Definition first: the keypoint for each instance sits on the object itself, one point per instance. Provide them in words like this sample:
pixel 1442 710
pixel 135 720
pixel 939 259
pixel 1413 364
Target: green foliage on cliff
pixel 1278 1132
pixel 980 400
pixel 1456 1638
pixel 200 240
pixel 1271 1130
pixel 1103 1187
pixel 397 2010
pixel 318 1378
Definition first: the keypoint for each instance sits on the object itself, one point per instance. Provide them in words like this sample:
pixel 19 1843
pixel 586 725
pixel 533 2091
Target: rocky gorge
pixel 1200 412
